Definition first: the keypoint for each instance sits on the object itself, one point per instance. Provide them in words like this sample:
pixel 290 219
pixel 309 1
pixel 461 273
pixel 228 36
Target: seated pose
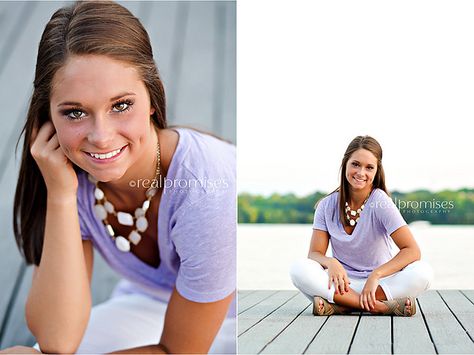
pixel 365 271
pixel 101 170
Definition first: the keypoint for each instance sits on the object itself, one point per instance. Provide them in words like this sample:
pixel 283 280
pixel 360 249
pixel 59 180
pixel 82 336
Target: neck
pixel 358 197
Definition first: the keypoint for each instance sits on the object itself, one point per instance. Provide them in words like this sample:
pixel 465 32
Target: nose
pixel 101 133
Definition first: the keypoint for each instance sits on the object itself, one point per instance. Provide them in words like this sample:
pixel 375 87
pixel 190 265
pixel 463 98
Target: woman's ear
pixel 152 111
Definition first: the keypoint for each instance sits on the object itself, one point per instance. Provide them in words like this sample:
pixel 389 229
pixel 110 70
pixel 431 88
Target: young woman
pixel 365 271
pixel 100 169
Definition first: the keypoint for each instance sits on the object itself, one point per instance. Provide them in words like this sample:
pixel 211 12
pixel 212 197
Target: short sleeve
pixel 387 213
pixel 205 240
pixel 319 221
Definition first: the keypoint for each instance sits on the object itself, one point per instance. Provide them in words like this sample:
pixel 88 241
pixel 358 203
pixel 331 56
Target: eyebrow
pixel 74 103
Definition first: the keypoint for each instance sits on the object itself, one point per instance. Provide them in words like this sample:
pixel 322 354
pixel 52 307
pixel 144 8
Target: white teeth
pixel 105 156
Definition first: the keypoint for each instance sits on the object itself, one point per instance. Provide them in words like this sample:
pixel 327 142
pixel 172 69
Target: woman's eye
pixel 122 106
pixel 355 164
pixel 75 114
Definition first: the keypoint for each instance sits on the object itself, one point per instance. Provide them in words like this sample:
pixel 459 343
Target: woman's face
pixel 361 169
pixel 101 111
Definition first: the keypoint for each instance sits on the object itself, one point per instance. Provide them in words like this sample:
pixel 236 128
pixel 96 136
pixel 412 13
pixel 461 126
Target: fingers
pixel 366 302
pixel 336 284
pixel 53 143
pixel 372 299
pixel 42 137
pixel 341 284
pixel 346 283
pixel 363 302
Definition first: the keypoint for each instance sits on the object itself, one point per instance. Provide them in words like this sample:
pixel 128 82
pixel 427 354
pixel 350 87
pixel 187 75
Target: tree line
pixel 442 207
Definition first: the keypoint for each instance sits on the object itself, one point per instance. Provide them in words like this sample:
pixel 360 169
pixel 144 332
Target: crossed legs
pixel 349 302
pixel 312 280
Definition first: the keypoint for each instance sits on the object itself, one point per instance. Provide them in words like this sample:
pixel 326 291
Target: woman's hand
pixel 338 276
pixel 57 170
pixel 20 350
pixel 367 296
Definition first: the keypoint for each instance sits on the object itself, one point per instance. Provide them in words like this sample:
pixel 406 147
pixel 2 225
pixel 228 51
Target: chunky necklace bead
pixel 354 213
pixel 138 221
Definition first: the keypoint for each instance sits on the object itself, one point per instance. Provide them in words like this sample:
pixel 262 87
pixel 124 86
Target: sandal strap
pixel 397 307
pixel 328 308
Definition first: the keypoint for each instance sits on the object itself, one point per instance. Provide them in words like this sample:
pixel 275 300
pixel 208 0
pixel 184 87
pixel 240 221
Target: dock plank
pixel 254 340
pixel 242 294
pixel 255 314
pixel 18 72
pixel 253 299
pixel 461 307
pixel 341 328
pixel 416 328
pixel 276 325
pixel 298 335
pixel 373 335
pixel 446 332
pixel 17 331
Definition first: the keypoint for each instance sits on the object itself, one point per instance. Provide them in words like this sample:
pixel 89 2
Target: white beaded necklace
pixel 355 213
pixel 103 207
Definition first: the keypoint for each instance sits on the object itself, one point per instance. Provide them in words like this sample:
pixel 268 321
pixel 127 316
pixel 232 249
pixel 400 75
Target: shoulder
pixel 380 196
pixel 204 151
pixel 328 201
pixel 202 167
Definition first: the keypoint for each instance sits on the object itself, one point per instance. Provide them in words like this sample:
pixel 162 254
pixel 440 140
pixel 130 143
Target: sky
pixel 312 75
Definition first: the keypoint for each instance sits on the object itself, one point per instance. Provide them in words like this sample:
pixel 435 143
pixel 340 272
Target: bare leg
pixel 350 301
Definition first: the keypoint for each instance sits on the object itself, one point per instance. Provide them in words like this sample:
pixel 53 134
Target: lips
pixel 358 180
pixel 106 156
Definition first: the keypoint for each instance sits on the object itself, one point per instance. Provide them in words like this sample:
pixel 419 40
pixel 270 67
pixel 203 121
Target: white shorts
pixel 134 320
pixel 312 280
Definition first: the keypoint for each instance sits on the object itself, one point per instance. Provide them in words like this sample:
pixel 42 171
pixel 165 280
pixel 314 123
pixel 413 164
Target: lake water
pixel 265 252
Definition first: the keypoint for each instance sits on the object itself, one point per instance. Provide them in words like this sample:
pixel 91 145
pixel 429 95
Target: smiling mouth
pixel 106 155
pixel 359 180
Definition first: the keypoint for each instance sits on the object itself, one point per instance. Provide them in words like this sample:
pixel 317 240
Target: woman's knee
pixel 422 273
pixel 301 269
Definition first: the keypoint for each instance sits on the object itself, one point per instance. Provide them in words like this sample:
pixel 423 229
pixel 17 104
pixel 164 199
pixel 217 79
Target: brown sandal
pixel 328 308
pixel 396 307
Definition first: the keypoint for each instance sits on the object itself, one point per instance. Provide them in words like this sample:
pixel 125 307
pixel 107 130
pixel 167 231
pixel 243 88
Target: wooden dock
pixel 194 45
pixel 281 322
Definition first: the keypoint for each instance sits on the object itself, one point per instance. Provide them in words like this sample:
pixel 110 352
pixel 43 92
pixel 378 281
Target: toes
pixel 408 306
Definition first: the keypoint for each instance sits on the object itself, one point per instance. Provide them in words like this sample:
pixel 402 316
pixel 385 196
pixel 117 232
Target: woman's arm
pixel 59 301
pixel 318 247
pixel 190 327
pixel 409 252
pixel 337 275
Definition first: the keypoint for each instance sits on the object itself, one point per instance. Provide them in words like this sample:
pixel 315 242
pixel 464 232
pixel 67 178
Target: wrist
pixel 375 275
pixel 61 198
pixel 332 261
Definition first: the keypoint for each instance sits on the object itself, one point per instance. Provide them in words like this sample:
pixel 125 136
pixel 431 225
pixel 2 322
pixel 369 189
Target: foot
pixel 324 308
pixel 393 307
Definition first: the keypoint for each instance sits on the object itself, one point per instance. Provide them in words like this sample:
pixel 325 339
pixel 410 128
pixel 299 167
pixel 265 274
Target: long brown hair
pixel 370 144
pixel 359 142
pixel 83 28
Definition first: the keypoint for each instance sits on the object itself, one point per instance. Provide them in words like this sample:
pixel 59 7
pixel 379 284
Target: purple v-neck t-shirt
pixel 196 226
pixel 370 244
